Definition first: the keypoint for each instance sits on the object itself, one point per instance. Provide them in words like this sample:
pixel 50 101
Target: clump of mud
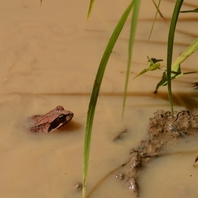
pixel 163 128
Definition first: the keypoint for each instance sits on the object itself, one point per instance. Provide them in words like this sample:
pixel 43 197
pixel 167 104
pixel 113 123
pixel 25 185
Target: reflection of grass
pixel 96 87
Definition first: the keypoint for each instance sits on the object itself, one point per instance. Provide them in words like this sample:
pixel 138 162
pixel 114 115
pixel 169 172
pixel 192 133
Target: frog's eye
pixel 58 122
pixel 61 118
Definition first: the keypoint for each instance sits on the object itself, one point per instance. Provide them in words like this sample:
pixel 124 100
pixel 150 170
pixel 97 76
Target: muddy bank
pixel 164 128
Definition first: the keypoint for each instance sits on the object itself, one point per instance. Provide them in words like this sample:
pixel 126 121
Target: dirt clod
pixel 164 128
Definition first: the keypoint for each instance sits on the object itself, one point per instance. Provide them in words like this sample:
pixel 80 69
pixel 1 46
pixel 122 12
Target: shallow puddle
pixel 49 56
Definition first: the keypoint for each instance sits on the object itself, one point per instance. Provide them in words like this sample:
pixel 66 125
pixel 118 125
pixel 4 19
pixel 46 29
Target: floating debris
pixel 78 186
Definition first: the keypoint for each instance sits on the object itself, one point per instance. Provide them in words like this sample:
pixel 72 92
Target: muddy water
pixel 49 55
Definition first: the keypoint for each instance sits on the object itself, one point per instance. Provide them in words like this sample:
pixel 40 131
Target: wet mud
pixel 164 128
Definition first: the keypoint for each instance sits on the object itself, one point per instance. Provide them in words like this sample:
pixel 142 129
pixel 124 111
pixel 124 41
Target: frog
pixel 51 121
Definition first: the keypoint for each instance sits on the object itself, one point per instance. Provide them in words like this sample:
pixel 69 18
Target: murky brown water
pixel 49 55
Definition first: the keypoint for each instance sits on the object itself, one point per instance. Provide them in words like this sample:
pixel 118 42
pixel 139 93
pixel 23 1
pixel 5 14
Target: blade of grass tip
pixel 130 49
pixel 41 2
pixel 96 89
pixel 157 11
pixel 90 8
pixel 174 20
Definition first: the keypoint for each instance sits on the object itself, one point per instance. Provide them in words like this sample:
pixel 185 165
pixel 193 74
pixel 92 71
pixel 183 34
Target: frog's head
pixel 60 121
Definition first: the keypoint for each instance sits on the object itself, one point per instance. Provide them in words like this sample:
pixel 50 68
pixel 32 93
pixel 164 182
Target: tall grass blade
pixel 130 49
pixel 96 89
pixel 174 20
pixel 90 8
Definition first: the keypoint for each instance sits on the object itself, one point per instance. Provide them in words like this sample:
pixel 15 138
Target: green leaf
pixel 153 65
pixel 188 52
pixel 130 49
pixel 176 71
pixel 96 89
pixel 174 74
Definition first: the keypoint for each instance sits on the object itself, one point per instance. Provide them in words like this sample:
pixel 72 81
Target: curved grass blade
pixel 90 8
pixel 131 44
pixel 174 20
pixel 96 89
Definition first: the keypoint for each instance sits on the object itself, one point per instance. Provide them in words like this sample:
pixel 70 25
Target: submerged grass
pixel 96 89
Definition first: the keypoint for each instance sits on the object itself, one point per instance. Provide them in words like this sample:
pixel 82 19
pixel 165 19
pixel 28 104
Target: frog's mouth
pixel 60 121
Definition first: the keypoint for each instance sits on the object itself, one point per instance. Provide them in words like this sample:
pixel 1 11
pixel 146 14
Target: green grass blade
pixel 131 44
pixel 95 92
pixel 187 11
pixel 188 52
pixel 174 20
pixel 175 66
pixel 157 11
pixel 90 8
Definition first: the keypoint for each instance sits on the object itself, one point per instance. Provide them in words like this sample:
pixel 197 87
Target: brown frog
pixel 51 121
